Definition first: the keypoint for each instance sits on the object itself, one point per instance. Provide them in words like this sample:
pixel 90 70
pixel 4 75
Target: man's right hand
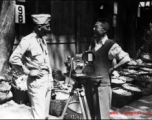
pixel 111 71
pixel 36 73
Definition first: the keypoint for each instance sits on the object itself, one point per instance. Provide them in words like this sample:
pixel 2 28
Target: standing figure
pixel 31 57
pixel 146 44
pixel 105 50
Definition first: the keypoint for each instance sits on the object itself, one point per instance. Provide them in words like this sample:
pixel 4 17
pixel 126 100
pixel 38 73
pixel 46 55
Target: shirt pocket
pixel 36 52
pixel 37 55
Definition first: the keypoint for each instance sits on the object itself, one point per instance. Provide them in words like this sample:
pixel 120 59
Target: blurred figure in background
pixel 146 43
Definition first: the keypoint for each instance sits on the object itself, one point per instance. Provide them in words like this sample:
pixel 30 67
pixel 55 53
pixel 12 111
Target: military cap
pixel 41 18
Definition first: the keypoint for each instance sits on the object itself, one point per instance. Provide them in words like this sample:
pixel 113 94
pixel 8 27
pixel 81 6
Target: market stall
pixel 132 81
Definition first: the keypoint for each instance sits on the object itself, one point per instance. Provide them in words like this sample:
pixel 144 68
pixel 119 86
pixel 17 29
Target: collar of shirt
pixel 103 40
pixel 39 40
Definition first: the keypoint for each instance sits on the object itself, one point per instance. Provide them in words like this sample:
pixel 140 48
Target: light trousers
pixel 39 91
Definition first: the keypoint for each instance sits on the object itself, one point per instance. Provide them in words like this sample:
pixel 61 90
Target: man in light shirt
pixel 105 50
pixel 31 57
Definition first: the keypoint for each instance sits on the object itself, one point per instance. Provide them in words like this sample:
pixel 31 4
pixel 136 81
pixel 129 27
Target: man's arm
pixel 123 61
pixel 117 53
pixel 16 57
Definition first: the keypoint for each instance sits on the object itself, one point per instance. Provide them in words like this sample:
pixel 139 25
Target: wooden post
pixel 130 27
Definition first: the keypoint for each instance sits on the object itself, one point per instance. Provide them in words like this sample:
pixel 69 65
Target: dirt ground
pixel 12 110
pixel 140 109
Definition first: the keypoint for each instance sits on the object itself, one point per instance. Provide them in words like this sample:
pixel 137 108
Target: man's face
pixel 45 29
pixel 99 31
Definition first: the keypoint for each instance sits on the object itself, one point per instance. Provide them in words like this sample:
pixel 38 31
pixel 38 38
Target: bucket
pixel 74 111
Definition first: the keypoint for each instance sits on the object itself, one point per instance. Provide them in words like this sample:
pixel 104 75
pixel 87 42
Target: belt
pixel 44 70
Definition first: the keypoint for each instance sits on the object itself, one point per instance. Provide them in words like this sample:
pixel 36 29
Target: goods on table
pixel 131 87
pixel 127 79
pixel 135 89
pixel 146 57
pixel 58 75
pixel 122 92
pixel 137 72
pixel 118 81
pixel 136 68
pixel 62 86
pixel 115 73
pixel 128 72
pixel 132 62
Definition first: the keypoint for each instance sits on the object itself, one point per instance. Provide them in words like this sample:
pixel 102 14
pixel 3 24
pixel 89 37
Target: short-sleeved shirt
pixel 115 51
pixel 29 53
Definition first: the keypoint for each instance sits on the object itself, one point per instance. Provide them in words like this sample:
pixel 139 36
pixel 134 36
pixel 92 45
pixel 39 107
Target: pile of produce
pixel 131 87
pixel 117 81
pixel 136 67
pixel 122 92
pixel 120 79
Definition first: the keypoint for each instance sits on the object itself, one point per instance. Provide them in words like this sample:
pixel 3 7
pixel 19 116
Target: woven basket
pixel 119 100
pixel 74 112
pixel 137 94
pixel 57 106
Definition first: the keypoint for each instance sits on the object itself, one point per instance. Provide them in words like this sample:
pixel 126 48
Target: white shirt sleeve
pixel 116 52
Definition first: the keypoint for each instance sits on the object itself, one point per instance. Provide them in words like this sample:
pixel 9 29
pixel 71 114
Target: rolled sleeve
pixel 116 52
